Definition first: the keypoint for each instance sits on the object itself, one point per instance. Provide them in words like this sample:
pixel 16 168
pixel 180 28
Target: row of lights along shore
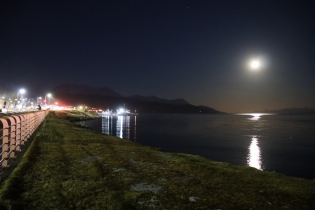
pixel 18 102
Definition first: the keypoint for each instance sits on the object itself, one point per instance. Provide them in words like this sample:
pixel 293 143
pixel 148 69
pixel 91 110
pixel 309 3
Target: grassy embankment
pixel 73 114
pixel 67 167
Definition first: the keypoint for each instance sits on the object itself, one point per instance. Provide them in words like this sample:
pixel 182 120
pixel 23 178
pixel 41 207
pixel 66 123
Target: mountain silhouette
pixel 106 98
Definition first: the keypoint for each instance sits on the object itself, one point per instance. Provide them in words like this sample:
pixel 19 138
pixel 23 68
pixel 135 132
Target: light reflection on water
pixel 119 126
pixel 278 143
pixel 255 117
pixel 254 155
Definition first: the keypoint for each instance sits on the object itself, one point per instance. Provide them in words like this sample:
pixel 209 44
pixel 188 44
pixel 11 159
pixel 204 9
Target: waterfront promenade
pixel 15 130
pixel 67 167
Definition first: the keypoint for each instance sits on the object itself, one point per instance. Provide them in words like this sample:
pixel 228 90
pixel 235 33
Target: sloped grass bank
pixel 78 115
pixel 67 167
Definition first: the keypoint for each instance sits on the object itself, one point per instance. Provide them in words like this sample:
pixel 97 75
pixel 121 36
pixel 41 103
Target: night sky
pixel 197 50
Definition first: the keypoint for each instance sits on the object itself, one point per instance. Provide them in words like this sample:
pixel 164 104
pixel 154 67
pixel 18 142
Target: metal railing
pixel 15 130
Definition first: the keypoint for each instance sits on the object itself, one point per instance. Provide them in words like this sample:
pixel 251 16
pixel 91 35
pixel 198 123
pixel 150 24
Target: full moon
pixel 254 64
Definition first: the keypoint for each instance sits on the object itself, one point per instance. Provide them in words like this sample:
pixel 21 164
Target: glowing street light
pixel 22 91
pixel 49 96
pixel 38 99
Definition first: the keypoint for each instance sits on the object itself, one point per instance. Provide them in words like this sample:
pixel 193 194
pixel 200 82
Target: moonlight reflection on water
pixel 254 155
pixel 254 158
pixel 267 142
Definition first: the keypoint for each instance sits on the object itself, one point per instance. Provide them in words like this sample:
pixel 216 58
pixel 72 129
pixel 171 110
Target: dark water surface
pixel 281 143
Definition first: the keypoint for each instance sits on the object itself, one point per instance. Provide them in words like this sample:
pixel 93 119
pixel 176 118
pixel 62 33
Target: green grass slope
pixel 67 167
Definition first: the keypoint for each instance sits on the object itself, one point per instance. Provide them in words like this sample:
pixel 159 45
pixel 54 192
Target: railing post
pixel 35 120
pixel 24 128
pixel 12 142
pixel 32 123
pixel 38 118
pixel 17 132
pixel 5 138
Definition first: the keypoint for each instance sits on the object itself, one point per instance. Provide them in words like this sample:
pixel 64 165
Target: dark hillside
pixel 107 102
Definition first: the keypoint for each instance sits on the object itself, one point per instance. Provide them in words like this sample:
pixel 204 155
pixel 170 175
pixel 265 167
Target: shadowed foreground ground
pixel 67 167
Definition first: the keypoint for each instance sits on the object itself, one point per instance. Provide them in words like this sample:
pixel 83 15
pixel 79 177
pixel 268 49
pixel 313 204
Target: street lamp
pixel 39 100
pixel 4 102
pixel 49 96
pixel 20 92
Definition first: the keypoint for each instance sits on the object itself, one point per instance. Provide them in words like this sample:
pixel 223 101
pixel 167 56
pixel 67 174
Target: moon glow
pixel 255 64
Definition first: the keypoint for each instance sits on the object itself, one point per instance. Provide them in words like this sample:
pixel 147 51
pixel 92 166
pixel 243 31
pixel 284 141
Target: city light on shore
pixel 22 91
pixel 49 96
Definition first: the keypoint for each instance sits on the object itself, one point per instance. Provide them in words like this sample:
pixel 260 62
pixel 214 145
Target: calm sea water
pixel 281 143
